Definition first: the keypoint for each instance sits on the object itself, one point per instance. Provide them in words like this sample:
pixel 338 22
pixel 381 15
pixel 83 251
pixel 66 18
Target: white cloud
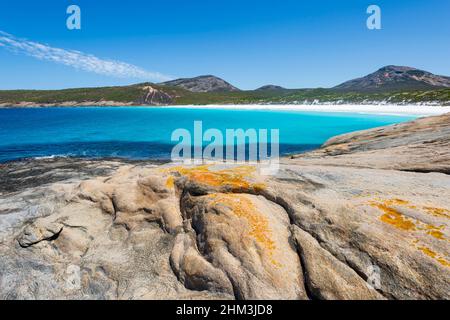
pixel 77 59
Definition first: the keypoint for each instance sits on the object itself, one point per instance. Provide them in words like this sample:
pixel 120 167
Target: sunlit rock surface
pixel 326 226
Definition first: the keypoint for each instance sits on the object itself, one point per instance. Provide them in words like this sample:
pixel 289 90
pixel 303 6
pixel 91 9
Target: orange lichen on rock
pixel 435 256
pixel 434 231
pixel 170 182
pixel 397 202
pixel 235 178
pixel 243 207
pixel 443 262
pixel 428 252
pixel 438 212
pixel 437 234
pixel 394 218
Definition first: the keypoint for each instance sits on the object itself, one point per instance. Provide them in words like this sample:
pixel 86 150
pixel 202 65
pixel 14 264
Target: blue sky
pixel 249 43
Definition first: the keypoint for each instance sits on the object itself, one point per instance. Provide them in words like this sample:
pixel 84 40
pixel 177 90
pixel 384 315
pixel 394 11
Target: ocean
pixel 145 132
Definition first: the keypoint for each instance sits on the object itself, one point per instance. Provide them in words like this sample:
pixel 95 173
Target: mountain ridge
pixel 393 77
pixel 270 87
pixel 204 83
pixel 388 85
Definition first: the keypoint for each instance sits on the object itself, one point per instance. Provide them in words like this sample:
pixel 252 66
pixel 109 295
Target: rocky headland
pixel 364 217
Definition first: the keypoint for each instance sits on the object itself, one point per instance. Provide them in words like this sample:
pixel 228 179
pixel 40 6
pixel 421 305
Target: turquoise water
pixel 145 133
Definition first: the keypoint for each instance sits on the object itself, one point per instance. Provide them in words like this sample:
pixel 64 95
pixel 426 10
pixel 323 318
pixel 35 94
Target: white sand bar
pixel 416 110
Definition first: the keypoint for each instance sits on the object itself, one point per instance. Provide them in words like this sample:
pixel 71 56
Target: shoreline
pixel 385 109
pixel 61 213
pixel 53 158
pixel 399 110
pixel 356 109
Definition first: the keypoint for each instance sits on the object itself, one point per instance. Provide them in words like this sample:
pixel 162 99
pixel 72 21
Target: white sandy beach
pixel 416 110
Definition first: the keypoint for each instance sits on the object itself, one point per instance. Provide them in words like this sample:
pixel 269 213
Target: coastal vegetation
pixel 388 85
pixel 136 95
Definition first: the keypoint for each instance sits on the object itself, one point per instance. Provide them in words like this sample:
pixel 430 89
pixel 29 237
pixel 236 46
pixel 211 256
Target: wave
pixel 110 149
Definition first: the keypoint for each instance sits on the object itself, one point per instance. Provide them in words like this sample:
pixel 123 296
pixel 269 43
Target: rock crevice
pixel 342 222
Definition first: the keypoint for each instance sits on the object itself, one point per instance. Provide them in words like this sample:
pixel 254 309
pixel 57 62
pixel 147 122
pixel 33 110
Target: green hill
pixel 390 84
pixel 150 94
